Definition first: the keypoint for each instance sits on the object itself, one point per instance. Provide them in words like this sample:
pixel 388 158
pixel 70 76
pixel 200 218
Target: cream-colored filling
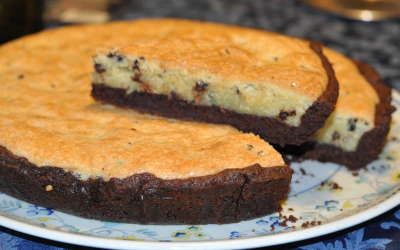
pixel 343 131
pixel 242 97
pixel 357 100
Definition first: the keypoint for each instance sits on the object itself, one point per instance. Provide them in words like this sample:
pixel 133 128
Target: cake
pixel 355 132
pixel 61 149
pixel 281 88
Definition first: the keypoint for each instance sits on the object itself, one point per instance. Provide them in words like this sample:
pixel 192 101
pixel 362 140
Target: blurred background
pixel 377 43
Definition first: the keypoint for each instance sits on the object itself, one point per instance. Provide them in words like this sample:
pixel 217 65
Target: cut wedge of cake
pixel 278 87
pixel 60 149
pixel 355 132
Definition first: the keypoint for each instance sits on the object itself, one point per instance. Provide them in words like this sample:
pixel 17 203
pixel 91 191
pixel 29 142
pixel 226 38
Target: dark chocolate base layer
pixel 273 130
pixel 229 196
pixel 370 144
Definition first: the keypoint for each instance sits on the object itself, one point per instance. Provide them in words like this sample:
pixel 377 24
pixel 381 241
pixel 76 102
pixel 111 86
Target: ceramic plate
pixel 325 198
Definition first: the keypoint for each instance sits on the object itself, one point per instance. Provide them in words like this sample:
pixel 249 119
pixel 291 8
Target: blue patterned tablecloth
pixel 375 43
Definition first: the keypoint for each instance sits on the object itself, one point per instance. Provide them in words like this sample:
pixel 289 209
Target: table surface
pixel 376 43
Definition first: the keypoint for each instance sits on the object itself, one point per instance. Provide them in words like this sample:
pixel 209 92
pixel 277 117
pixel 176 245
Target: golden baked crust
pixel 233 53
pixel 48 116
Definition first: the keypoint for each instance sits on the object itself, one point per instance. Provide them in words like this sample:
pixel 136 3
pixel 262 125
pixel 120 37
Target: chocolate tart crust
pixel 271 129
pixel 229 196
pixel 370 144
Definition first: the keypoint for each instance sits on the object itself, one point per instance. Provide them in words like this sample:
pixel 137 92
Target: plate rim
pixel 246 242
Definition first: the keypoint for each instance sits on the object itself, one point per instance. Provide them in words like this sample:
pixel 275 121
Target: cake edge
pixel 229 196
pixel 370 144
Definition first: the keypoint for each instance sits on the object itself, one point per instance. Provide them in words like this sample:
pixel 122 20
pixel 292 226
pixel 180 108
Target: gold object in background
pixel 365 10
pixel 77 11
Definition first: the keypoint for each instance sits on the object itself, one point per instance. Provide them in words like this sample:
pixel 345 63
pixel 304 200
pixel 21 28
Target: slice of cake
pixel 278 87
pixel 355 132
pixel 62 150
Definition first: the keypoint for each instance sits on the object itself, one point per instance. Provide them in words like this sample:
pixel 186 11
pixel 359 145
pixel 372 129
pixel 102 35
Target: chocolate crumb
pixel 99 68
pixel 297 182
pixel 133 129
pixel 302 171
pixel 237 91
pixel 200 86
pixel 305 224
pixel 335 186
pixel 319 222
pixel 354 174
pixel 290 209
pixel 292 218
pixel 21 76
pixel 227 51
pixel 142 58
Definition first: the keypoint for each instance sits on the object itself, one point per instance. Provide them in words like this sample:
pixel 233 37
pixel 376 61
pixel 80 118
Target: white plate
pixel 361 196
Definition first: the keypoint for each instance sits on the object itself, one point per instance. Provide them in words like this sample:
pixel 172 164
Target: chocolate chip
pixel 227 51
pixel 99 68
pixel 118 57
pixel 200 86
pixel 352 124
pixel 283 115
pixel 136 65
pixel 250 147
pixel 20 76
pixel 335 136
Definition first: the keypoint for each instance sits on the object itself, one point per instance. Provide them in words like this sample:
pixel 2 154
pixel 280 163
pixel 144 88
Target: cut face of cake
pixel 355 132
pixel 61 149
pixel 278 87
